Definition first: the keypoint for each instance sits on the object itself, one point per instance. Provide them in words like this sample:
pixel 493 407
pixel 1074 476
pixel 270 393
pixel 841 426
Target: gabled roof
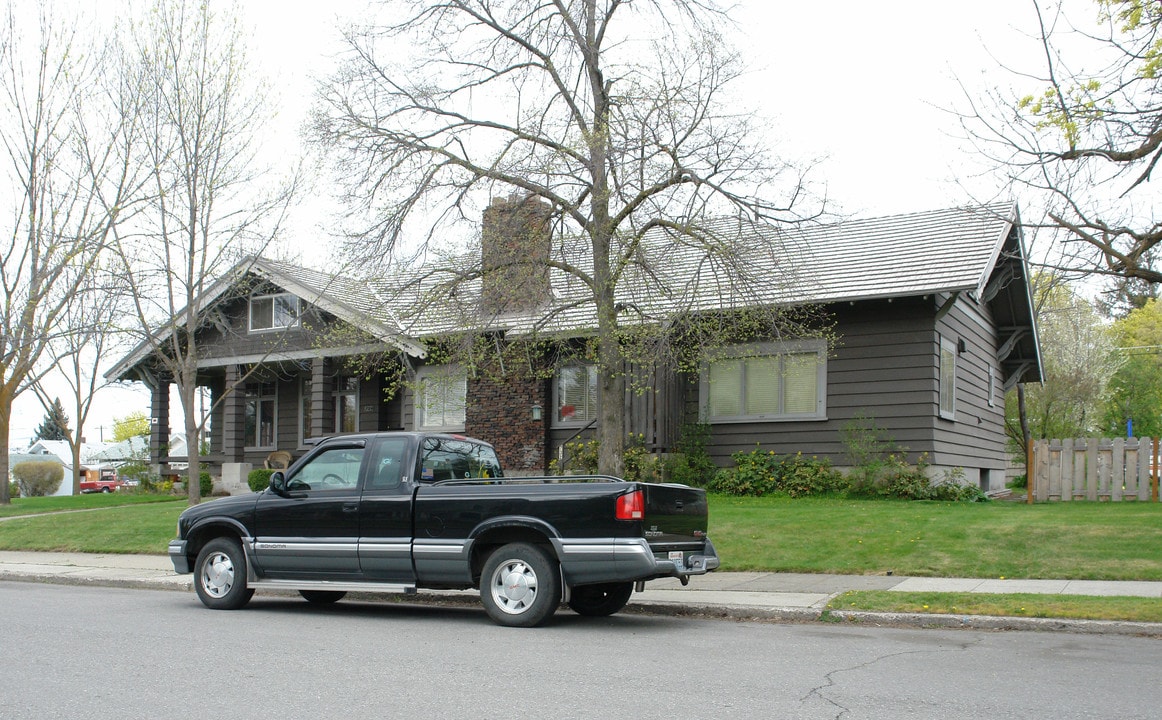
pixel 343 297
pixel 941 252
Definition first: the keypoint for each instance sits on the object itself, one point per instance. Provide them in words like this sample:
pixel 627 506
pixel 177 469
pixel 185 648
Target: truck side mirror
pixel 278 482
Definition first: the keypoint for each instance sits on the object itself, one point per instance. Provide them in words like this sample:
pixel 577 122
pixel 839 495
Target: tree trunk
pixel 194 470
pixel 75 447
pixel 1025 435
pixel 5 426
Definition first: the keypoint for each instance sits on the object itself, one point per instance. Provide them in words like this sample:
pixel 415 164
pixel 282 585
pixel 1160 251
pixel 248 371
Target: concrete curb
pixel 694 609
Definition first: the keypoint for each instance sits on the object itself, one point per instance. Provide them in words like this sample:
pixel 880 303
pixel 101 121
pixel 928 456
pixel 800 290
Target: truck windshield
pixel 450 459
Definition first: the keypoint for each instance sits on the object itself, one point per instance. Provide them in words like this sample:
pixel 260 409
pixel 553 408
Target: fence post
pixel 1030 468
pixel 1154 472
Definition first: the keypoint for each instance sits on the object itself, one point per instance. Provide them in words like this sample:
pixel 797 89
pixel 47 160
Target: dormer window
pixel 273 312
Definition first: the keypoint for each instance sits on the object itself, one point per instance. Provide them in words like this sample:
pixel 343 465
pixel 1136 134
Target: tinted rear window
pixel 449 459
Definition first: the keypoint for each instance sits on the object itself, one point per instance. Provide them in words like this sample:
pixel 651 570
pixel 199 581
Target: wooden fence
pixel 1095 469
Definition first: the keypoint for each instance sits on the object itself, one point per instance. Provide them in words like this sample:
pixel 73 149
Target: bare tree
pixel 209 201
pixel 1083 134
pixel 76 355
pixel 65 185
pixel 614 115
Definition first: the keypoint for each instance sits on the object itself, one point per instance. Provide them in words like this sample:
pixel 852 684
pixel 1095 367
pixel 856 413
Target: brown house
pixel 932 313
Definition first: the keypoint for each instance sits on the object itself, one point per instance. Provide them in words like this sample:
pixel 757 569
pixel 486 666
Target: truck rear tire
pixel 520 585
pixel 322 597
pixel 220 575
pixel 600 600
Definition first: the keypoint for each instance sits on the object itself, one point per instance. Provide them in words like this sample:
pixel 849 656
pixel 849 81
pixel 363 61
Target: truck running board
pixel 337 585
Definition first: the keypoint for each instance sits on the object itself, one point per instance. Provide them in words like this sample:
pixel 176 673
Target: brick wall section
pixel 501 413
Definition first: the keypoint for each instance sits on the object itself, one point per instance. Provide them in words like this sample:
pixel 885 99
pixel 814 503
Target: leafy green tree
pixel 55 425
pixel 1078 356
pixel 1136 387
pixel 135 424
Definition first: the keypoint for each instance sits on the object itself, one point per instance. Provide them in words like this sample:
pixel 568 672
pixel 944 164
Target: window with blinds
pixel 947 379
pixel 576 395
pixel 772 383
pixel 442 399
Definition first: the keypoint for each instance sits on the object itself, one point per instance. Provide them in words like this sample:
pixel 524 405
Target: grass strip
pixel 37 505
pixel 1074 607
pixel 130 529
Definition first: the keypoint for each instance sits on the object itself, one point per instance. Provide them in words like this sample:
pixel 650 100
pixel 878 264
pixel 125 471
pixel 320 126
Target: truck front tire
pixel 520 585
pixel 220 575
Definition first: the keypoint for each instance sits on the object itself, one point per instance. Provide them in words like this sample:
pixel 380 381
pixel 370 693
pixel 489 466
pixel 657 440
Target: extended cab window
pixel 451 459
pixel 332 469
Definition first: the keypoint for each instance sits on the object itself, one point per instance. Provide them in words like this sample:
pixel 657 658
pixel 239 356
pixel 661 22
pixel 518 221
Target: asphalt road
pixel 103 653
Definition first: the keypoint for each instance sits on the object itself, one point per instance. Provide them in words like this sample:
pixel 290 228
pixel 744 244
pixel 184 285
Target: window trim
pixel 273 327
pixel 451 372
pixel 769 349
pixel 258 398
pixel 556 399
pixel 948 345
pixel 305 409
pixel 337 394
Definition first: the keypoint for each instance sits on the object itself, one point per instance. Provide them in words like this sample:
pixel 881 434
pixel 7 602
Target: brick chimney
pixel 515 242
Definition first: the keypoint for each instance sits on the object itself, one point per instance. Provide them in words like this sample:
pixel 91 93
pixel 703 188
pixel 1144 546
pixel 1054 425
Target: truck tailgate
pixel 675 515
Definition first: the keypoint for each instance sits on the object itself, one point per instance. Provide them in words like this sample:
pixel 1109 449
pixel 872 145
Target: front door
pixel 313 532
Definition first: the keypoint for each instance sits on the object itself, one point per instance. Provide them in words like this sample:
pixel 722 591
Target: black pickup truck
pixel 393 512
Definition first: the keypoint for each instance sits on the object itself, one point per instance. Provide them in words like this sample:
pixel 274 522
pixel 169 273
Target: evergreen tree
pixel 55 425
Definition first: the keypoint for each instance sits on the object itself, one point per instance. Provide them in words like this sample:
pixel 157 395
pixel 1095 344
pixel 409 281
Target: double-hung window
pixel 346 404
pixel 766 382
pixel 273 312
pixel 441 398
pixel 948 348
pixel 305 414
pixel 575 395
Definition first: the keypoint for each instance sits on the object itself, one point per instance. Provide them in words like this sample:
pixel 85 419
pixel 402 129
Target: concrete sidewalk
pixel 748 595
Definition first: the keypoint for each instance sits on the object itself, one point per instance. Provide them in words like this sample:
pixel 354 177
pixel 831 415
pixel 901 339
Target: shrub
pixel 205 484
pixel 13 490
pixel 139 471
pixel 690 464
pixel 765 473
pixel 895 478
pixel 38 478
pixel 259 479
pixel 640 464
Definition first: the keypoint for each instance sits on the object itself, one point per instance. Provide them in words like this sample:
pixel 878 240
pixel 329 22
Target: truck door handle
pixel 350 507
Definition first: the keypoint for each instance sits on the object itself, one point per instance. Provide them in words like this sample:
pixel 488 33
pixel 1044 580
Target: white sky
pixel 864 85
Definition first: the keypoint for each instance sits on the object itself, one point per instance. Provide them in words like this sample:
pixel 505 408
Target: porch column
pixel 159 422
pixel 322 409
pixel 233 417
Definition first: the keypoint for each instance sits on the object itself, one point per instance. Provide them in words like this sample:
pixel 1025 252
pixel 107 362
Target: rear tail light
pixel 631 506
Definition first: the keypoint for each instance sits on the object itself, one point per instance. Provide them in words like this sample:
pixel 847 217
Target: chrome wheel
pixel 514 586
pixel 520 585
pixel 218 575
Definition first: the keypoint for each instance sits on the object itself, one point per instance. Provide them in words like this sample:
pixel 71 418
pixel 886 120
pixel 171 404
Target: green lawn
pixel 137 526
pixel 35 505
pixel 1076 540
pixel 1085 541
